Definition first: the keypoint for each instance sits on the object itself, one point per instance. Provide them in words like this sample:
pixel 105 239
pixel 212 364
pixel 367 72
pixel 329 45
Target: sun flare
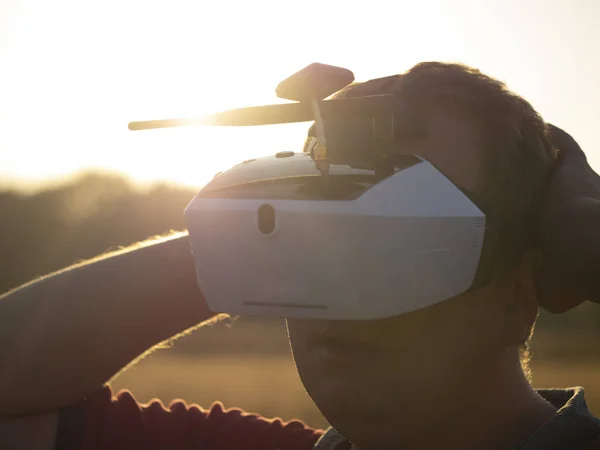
pixel 77 74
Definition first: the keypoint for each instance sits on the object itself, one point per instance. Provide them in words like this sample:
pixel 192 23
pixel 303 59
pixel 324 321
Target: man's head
pixel 493 144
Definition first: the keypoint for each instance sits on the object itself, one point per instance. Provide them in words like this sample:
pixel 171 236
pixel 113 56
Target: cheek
pixel 472 330
pixel 299 332
pixel 452 336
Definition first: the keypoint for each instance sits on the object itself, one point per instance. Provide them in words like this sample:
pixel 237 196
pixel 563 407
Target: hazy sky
pixel 74 73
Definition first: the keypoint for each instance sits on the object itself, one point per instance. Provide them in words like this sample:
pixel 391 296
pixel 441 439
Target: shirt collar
pixel 572 427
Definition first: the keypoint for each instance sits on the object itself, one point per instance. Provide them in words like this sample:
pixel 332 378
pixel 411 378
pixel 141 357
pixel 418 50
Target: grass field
pixel 268 384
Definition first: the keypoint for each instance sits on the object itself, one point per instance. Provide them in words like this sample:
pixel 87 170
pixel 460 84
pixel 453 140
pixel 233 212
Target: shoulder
pixel 573 426
pixel 35 432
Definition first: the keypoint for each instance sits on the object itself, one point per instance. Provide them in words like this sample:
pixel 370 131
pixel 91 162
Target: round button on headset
pixel 284 154
pixel 266 219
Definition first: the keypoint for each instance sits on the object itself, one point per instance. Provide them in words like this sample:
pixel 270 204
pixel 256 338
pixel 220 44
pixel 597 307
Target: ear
pixel 521 307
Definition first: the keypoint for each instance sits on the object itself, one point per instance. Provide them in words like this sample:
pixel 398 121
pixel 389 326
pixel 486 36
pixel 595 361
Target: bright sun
pixel 195 155
pixel 78 73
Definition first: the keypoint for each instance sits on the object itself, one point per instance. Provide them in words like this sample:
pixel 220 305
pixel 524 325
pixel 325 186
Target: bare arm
pixel 66 334
pixel 571 269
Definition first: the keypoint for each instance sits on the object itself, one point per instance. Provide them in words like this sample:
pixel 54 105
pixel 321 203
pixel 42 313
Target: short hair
pixel 518 157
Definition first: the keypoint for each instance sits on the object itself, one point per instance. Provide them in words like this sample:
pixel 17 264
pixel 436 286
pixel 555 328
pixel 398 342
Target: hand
pixel 570 230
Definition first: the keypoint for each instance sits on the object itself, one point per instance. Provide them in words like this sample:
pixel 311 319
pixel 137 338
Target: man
pixel 447 376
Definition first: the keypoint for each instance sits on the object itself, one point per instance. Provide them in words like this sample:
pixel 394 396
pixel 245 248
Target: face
pixel 360 372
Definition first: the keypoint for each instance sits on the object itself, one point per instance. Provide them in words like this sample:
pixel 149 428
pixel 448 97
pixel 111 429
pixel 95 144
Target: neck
pixel 497 412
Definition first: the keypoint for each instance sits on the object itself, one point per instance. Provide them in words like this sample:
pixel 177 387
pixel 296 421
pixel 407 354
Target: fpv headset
pixel 347 229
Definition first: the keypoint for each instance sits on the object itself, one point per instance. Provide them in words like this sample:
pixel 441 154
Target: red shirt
pixel 107 422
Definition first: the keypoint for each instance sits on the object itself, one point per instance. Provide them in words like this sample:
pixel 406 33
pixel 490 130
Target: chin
pixel 371 422
pixel 345 402
pixel 366 427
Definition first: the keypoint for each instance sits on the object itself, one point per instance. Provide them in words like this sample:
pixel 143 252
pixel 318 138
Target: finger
pixel 570 150
pixel 557 298
pixel 557 289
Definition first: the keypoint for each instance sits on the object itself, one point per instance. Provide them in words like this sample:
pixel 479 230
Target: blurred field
pixel 210 366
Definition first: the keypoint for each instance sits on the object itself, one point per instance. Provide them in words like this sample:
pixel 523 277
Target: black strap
pixel 70 427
